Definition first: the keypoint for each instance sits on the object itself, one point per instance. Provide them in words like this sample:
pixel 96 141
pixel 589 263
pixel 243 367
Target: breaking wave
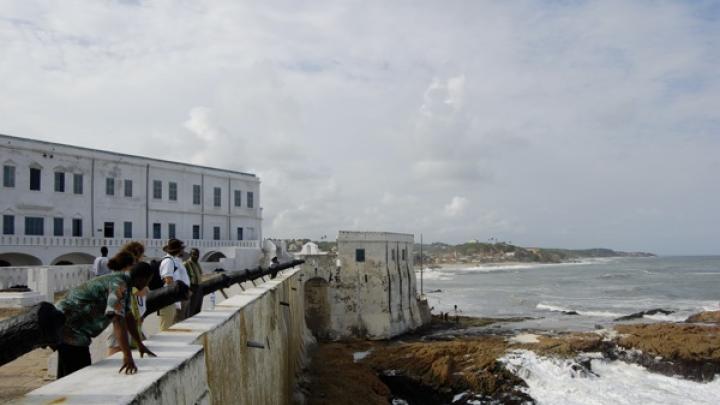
pixel 560 381
pixel 555 308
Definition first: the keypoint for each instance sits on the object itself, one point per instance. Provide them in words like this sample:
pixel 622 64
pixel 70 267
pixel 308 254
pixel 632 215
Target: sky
pixel 570 124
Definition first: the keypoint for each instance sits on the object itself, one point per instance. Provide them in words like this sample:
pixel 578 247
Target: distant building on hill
pixel 61 203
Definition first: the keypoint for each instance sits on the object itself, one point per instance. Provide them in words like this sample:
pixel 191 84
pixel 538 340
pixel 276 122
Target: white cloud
pixel 456 207
pixel 373 114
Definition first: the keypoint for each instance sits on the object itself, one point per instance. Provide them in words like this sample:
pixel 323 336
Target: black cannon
pixel 168 295
pixel 41 325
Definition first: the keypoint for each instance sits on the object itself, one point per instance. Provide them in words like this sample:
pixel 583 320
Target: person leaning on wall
pixel 92 306
pixel 137 298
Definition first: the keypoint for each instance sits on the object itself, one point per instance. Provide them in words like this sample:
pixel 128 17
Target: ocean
pixel 598 291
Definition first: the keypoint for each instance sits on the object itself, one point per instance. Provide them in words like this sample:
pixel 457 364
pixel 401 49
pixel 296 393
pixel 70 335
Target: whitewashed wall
pixel 374 299
pixel 95 206
pixel 206 359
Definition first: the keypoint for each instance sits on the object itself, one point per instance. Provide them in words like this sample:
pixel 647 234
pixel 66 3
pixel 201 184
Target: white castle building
pixel 61 203
pixel 366 290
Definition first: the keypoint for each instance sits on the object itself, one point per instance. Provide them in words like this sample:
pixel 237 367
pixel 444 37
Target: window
pixel 250 199
pixel 239 234
pixel 9 176
pixel 128 188
pixel 196 194
pixel 34 226
pixel 8 224
pixel 110 186
pixel 127 229
pixel 172 191
pixel 250 232
pixel 58 224
pixel 77 227
pixel 216 232
pixel 35 179
pixel 60 182
pixel 404 254
pixel 171 230
pixel 157 231
pixel 109 230
pixel 77 183
pixel 359 255
pixel 196 232
pixel 157 189
pixel 216 196
pixel 392 254
pixel 238 198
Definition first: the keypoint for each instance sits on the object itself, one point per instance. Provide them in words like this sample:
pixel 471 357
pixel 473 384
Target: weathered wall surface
pixel 206 359
pixel 376 298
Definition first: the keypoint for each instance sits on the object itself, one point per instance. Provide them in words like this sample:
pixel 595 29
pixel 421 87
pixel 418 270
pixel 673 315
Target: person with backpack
pixel 172 270
pixel 194 305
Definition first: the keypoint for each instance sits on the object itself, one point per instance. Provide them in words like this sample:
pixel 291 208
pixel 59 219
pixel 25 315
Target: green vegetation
pixel 480 252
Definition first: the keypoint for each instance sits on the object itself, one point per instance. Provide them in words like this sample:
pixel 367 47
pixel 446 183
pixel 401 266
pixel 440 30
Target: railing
pixel 47 241
pixel 10 276
pixel 47 280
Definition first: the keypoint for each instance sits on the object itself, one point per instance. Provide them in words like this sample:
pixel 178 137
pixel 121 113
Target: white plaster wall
pixel 375 299
pixel 95 207
pixel 46 280
pixel 117 208
pixel 176 376
pixel 10 276
pixel 206 359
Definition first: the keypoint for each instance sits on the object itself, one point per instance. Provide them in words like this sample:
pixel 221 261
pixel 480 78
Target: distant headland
pixel 503 252
pixel 476 252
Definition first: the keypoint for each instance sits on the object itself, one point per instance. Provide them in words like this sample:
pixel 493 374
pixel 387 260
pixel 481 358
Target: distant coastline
pixel 441 255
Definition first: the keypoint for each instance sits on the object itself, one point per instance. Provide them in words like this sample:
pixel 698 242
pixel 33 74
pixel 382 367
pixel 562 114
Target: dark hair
pixel 121 261
pixel 135 248
pixel 104 251
pixel 141 270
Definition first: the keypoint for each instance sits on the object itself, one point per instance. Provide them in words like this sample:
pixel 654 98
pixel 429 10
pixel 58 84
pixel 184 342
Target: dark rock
pixel 705 317
pixel 570 313
pixel 637 315
pixel 696 370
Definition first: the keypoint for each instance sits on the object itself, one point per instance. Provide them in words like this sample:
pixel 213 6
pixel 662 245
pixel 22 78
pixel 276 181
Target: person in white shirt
pixel 172 270
pixel 100 267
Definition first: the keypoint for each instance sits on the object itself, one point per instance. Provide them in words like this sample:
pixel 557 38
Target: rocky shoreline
pixel 460 362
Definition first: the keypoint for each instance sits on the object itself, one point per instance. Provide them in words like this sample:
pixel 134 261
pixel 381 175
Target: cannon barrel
pixel 162 297
pixel 40 326
pixel 226 280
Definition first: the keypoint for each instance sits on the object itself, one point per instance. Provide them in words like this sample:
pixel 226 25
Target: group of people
pixel 116 295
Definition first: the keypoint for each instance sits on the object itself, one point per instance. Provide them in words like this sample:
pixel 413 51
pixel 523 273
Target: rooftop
pixel 7 139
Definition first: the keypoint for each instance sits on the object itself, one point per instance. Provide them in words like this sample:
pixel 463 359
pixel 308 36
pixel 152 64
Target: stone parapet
pixel 248 350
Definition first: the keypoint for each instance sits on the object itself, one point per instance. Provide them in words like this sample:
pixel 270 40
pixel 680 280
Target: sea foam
pixel 557 381
pixel 555 308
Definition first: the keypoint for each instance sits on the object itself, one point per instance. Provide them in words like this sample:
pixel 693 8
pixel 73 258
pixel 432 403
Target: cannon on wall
pixel 168 295
pixel 41 325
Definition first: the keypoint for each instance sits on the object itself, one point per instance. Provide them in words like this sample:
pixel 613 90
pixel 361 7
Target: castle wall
pixel 207 359
pixel 374 298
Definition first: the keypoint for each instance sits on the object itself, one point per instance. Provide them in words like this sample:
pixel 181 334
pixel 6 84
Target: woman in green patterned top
pixel 90 308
